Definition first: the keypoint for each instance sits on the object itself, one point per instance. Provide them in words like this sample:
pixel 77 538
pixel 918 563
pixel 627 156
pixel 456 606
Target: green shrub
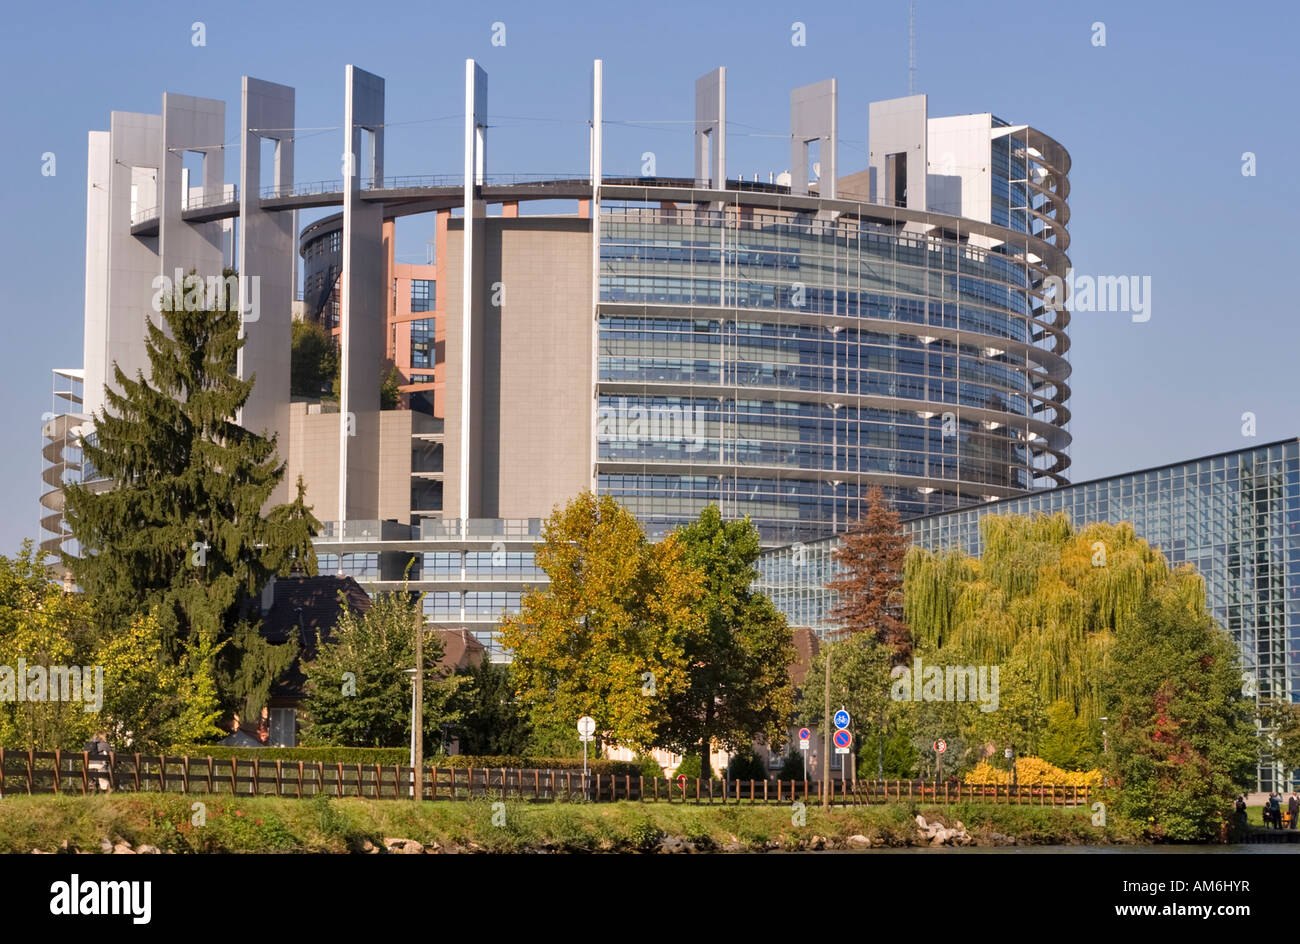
pixel 690 767
pixel 746 767
pixel 596 766
pixel 792 768
pixel 400 755
pixel 312 755
pixel 644 835
pixel 649 767
pixel 698 833
pixel 900 758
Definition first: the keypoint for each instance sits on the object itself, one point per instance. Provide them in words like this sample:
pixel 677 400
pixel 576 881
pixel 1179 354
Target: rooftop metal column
pixel 471 270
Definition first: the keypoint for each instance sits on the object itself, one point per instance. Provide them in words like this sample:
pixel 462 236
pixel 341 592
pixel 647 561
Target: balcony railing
pixel 227 194
pixel 435 529
pixel 365 530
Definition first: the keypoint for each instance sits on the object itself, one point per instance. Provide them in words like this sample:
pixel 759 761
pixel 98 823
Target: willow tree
pixel 1043 594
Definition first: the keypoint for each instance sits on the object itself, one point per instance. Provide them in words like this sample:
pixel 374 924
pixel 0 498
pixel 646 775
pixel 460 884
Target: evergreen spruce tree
pixel 184 529
pixel 869 586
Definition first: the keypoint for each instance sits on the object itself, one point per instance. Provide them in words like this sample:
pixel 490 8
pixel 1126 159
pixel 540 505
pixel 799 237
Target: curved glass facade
pixel 1235 517
pixel 779 363
pixel 322 255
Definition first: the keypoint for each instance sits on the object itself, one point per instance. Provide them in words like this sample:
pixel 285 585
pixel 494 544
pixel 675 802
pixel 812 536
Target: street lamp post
pixel 411 740
pixel 826 734
pixel 417 710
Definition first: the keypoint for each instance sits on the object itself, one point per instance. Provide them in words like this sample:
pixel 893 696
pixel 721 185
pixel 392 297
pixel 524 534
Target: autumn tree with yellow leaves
pixel 609 636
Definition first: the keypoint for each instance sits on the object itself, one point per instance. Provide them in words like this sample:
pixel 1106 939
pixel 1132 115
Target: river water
pixel 1243 849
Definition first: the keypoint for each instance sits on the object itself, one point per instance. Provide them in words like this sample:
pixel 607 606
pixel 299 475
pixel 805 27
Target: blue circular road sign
pixel 843 738
pixel 804 734
pixel 841 719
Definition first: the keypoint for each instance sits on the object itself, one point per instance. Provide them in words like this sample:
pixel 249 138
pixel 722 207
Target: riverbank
pixel 196 824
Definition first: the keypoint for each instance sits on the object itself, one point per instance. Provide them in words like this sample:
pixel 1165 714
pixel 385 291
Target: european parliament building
pixel 775 344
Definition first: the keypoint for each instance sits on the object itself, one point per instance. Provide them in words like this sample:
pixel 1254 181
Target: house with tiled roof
pixel 307 609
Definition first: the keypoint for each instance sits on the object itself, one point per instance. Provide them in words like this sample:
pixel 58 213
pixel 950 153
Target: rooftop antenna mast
pixel 911 47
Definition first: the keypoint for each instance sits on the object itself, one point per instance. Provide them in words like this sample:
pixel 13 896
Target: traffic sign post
pixel 586 730
pixel 842 740
pixel 842 719
pixel 939 747
pixel 804 737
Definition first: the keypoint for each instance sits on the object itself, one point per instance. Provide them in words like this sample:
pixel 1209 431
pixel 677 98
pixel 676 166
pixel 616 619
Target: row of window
pixel 793 377
pixel 478 606
pixel 764 236
pixel 841 368
pixel 966 316
pixel 798 341
pixel 480 565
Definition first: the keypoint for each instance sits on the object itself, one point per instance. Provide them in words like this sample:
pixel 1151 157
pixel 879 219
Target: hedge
pixel 397 755
pixel 328 755
pixel 514 762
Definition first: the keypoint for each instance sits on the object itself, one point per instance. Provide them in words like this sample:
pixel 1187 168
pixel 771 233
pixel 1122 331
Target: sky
pixel 1157 121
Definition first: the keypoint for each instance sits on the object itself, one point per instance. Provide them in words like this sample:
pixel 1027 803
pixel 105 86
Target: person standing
pixel 1273 812
pixel 1293 809
pixel 97 750
pixel 1240 808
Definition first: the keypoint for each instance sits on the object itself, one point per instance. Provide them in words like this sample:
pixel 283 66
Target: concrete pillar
pixel 814 116
pixel 199 125
pixel 597 171
pixel 711 129
pixel 99 172
pixel 122 265
pixel 361 315
pixel 265 264
pixel 469 471
pixel 897 134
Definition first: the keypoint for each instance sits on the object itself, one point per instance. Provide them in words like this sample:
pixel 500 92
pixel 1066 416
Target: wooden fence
pixel 74 773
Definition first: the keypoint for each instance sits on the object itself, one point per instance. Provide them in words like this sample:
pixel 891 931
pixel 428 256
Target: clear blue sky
pixel 1156 123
